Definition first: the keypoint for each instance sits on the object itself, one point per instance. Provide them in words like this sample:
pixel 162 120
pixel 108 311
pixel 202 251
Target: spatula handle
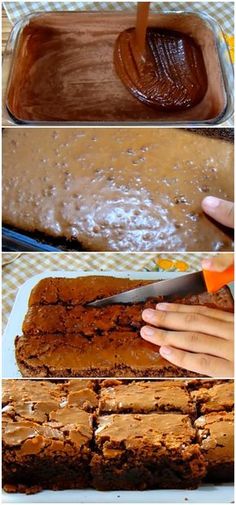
pixel 216 280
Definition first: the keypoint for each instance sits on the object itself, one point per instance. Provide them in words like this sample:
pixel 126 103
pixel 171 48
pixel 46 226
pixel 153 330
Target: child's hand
pixel 221 210
pixel 196 338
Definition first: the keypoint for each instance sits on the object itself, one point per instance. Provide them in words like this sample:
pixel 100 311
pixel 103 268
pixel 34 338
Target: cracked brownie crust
pixel 63 337
pixel 145 397
pixel 138 451
pixel 111 435
pixel 217 398
pixel 46 438
pixel 216 438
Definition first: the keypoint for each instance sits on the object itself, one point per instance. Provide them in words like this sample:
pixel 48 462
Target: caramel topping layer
pixel 117 189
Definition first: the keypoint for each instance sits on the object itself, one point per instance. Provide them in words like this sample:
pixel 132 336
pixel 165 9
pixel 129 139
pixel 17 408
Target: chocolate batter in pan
pixel 63 69
pixel 119 189
pixel 171 76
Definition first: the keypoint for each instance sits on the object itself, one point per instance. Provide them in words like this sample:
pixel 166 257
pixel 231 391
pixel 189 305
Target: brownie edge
pixel 146 451
pixel 216 439
pixel 46 437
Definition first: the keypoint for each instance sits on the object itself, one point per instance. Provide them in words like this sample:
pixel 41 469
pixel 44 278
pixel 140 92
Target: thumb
pixel 221 210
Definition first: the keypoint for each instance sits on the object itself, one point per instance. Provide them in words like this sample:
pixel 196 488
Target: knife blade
pixel 193 283
pixel 190 283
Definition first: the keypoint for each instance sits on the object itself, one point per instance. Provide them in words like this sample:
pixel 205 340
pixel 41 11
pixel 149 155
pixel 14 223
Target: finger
pixel 188 321
pixel 202 364
pixel 221 210
pixel 218 263
pixel 196 309
pixel 189 341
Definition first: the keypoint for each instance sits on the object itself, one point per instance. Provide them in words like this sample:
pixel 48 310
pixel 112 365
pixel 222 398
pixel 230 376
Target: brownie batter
pixel 170 76
pixel 117 189
pixel 63 69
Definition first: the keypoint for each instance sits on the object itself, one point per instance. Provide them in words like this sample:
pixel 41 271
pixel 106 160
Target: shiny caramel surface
pixel 117 189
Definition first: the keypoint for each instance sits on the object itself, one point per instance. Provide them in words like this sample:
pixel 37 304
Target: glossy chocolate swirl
pixel 172 76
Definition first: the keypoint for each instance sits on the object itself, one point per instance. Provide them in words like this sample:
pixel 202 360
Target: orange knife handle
pixel 216 280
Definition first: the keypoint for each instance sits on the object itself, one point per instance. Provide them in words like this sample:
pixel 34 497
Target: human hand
pixel 192 337
pixel 218 263
pixel 221 210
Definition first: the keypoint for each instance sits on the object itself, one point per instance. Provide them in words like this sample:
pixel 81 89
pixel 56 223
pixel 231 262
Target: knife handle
pixel 216 280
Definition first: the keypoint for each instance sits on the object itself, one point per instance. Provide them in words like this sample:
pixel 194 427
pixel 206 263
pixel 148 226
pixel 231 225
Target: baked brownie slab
pixel 79 290
pixel 136 451
pixel 145 397
pixel 91 320
pixel 216 439
pixel 123 354
pixel 46 442
pixel 82 290
pixel 82 319
pixel 216 398
pixel 63 337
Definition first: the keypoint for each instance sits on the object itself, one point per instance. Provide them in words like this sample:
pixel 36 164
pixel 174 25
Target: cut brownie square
pixel 216 398
pixel 140 451
pixel 46 442
pixel 81 393
pixel 24 390
pixel 145 397
pixel 216 439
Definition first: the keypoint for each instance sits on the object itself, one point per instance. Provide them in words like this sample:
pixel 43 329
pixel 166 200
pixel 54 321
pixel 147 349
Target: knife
pixel 193 283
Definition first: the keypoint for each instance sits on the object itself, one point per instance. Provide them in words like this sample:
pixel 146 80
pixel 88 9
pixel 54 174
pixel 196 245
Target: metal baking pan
pixel 16 240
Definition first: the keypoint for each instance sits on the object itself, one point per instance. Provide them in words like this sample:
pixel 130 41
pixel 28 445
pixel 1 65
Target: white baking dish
pixel 205 494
